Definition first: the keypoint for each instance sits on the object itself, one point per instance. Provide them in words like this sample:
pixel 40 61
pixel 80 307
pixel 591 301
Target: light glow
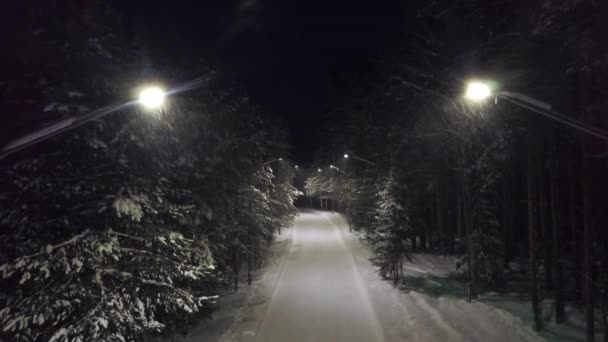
pixel 477 91
pixel 346 155
pixel 152 97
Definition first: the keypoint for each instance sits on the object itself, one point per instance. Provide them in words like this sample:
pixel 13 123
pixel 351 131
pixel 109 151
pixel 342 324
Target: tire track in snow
pixel 388 298
pixel 425 318
pixel 378 331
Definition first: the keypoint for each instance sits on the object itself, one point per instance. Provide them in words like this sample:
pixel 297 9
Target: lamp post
pixel 272 161
pixel 337 169
pixel 478 91
pixel 347 155
pixel 151 98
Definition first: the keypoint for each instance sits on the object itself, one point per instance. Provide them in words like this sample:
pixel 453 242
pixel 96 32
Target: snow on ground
pixel 416 316
pixel 321 287
pixel 424 264
pixel 573 330
pixel 238 312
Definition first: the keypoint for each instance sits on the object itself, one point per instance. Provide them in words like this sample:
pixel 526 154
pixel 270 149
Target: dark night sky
pixel 283 52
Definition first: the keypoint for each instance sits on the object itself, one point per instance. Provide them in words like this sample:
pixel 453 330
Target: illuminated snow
pixel 323 288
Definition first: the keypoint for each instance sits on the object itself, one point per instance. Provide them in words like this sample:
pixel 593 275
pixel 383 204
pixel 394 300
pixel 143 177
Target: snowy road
pixel 323 288
pixel 320 295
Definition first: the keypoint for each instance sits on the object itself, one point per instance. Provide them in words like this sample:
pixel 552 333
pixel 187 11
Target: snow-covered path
pixel 325 289
pixel 320 295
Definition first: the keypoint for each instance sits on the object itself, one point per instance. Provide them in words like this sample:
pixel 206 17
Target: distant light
pixel 346 155
pixel 296 166
pixel 152 97
pixel 319 170
pixel 477 91
pixel 280 159
pixel 332 166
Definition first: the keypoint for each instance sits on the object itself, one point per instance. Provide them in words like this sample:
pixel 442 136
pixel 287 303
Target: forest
pixel 132 225
pixel 492 183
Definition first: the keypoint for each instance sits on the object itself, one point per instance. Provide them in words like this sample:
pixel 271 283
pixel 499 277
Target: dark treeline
pixel 491 182
pixel 128 226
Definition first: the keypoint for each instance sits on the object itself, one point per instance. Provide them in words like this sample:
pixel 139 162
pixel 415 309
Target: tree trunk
pixel 414 240
pixel 468 229
pixel 471 262
pixel 450 235
pixel 532 230
pixel 587 247
pixel 422 240
pixel 544 226
pixel 396 272
pixel 459 214
pixel 587 281
pixel 574 232
pixel 560 313
pixel 440 227
pixel 429 237
pixel 507 218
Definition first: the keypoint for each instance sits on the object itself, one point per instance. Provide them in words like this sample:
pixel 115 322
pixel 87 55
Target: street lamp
pixel 318 170
pixel 478 91
pixel 337 169
pixel 152 97
pixel 346 156
pixel 272 161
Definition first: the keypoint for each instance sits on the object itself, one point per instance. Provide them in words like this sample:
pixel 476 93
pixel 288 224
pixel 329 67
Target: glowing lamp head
pixel 318 170
pixel 152 97
pixel 346 155
pixel 477 91
pixel 280 159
